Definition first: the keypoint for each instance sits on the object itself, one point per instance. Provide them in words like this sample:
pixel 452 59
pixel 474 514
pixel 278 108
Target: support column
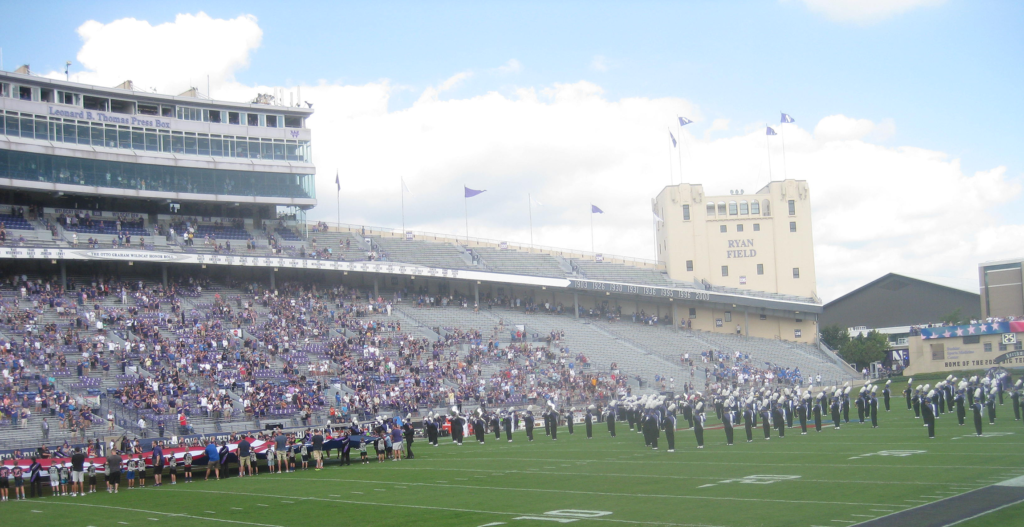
pixel 746 323
pixel 273 283
pixel 63 274
pixel 476 295
pixel 576 304
pixel 675 316
pixel 376 287
pixel 163 272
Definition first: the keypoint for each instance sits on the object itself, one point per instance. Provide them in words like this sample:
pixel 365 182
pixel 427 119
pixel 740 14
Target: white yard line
pixel 622 494
pixel 160 513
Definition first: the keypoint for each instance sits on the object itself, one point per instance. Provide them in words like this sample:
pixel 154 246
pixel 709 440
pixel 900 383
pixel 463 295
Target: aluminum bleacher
pixel 516 262
pixel 431 254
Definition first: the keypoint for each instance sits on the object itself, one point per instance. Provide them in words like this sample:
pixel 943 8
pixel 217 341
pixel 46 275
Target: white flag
pixel 404 187
pixel 534 201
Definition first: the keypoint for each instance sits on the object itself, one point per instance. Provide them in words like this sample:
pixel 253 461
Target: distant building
pixel 897 300
pixel 1002 292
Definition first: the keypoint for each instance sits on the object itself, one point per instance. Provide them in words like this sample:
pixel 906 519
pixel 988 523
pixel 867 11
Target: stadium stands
pixel 518 262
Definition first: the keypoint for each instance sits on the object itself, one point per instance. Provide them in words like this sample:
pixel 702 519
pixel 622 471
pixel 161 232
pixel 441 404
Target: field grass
pixel 835 478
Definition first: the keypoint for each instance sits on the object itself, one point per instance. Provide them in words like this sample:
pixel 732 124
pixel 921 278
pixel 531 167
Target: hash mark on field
pixel 931 496
pixel 236 508
pixel 863 515
pixel 880 510
pixel 333 496
pixel 210 512
pixel 379 490
pixel 154 519
pixel 286 501
pixel 262 505
pixel 354 492
pixel 843 521
pixel 917 501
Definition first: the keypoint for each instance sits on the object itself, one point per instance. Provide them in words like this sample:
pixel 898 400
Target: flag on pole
pixel 657 217
pixel 769 131
pixel 673 138
pixel 683 121
pixel 786 119
pixel 595 210
pixel 470 192
pixel 534 201
pixel 404 187
pixel 337 180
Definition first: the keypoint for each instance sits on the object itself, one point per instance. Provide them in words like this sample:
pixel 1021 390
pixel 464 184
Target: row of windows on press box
pixel 172 111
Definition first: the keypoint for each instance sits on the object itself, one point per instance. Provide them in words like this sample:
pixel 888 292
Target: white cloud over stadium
pixel 876 208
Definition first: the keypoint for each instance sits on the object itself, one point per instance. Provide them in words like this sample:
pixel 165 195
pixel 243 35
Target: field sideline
pixel 835 478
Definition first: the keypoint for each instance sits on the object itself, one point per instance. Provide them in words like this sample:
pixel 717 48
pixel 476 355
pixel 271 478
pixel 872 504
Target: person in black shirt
pixel 409 432
pixel 77 472
pixel 318 449
pixel 35 478
pixel 244 448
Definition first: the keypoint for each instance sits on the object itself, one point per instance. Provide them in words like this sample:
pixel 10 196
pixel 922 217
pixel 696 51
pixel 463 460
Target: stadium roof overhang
pixel 619 290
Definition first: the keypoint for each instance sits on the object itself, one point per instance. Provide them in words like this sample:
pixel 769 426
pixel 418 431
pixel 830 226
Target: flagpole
pixel 768 147
pixel 592 226
pixel 336 178
pixel 670 181
pixel 679 151
pixel 402 180
pixel 782 126
pixel 465 200
pixel 529 202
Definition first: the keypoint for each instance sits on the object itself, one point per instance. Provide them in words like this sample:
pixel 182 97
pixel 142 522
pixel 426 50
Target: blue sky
pixel 950 75
pixel 908 111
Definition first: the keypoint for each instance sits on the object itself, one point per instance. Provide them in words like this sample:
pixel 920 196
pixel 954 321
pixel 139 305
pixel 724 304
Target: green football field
pixel 833 478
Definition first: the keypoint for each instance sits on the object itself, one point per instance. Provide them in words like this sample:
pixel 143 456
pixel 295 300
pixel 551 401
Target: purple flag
pixel 673 139
pixel 769 131
pixel 683 121
pixel 595 210
pixel 337 181
pixel 786 119
pixel 470 192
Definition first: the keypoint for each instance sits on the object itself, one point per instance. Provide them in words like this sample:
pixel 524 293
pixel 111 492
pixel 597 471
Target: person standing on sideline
pixel 243 452
pixel 78 472
pixel 281 447
pixel 318 449
pixel 113 471
pixel 158 463
pixel 410 433
pixel 35 478
pixel 212 460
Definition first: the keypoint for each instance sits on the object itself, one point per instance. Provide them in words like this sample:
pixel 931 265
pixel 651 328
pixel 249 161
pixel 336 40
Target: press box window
pixel 689 265
pixel 792 226
pixel 796 272
pixel 721 208
pixel 711 209
pixel 732 208
pixel 725 270
pixel 722 228
pixel 988 346
pixel 693 312
pixel 686 213
pixel 792 208
pixel 760 268
pixel 743 208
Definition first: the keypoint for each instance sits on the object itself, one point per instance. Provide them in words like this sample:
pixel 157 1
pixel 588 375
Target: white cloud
pixel 866 11
pixel 877 208
pixel 600 63
pixel 840 127
pixel 718 125
pixel 182 53
pixel 512 66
